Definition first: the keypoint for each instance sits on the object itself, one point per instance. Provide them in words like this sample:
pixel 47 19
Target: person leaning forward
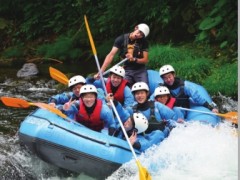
pixel 133 46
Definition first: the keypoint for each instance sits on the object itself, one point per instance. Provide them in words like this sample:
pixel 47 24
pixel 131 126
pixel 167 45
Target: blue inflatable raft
pixel 154 81
pixel 70 145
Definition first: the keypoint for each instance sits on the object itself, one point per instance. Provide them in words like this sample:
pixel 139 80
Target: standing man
pixel 133 46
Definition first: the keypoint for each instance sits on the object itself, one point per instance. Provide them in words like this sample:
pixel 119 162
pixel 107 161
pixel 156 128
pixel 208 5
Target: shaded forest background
pixel 198 37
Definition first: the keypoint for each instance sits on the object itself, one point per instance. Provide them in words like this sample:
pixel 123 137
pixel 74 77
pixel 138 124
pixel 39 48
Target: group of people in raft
pixel 147 118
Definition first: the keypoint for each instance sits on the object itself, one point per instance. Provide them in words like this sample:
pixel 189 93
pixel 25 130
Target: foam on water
pixel 197 152
pixel 42 89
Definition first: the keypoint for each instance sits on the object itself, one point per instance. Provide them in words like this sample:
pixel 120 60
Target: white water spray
pixel 196 152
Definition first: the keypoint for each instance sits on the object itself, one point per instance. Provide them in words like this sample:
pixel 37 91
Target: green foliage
pixel 62 49
pixel 48 17
pixel 194 69
pixel 3 23
pixel 210 22
pixel 186 65
pixel 223 79
pixel 161 55
pixel 56 29
pixel 14 52
pixel 103 48
pixel 219 23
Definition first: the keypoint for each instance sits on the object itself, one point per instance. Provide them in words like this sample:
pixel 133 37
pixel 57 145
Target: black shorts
pixel 136 75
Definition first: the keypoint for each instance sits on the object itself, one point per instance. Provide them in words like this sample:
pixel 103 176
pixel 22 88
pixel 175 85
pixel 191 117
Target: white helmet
pixel 161 90
pixel 144 29
pixel 118 70
pixel 88 88
pixel 141 122
pixel 166 69
pixel 76 80
pixel 140 86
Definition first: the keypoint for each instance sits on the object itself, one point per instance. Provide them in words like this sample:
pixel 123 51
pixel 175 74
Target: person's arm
pixel 60 98
pixel 155 137
pixel 128 97
pixel 143 60
pixel 108 60
pixel 71 110
pixel 123 113
pixel 144 57
pixel 165 112
pixel 108 118
pixel 193 92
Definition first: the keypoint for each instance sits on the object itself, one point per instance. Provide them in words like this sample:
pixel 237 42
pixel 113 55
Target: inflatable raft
pixel 70 145
pixel 154 81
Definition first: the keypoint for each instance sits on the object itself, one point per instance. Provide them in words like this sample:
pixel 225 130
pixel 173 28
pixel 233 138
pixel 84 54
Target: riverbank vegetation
pixel 198 37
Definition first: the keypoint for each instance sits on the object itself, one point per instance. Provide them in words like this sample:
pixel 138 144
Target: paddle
pixel 21 103
pixel 59 76
pixel 230 116
pixel 122 61
pixel 143 173
pixel 62 78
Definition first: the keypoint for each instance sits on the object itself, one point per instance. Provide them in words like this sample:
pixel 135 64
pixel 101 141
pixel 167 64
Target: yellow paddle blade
pixel 49 108
pixel 90 36
pixel 143 173
pixel 15 102
pixel 58 76
pixel 230 116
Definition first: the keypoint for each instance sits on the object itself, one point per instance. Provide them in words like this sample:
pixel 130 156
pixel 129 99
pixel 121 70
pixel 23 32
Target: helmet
pixel 118 70
pixel 166 69
pixel 88 88
pixel 141 122
pixel 162 90
pixel 140 86
pixel 144 29
pixel 76 80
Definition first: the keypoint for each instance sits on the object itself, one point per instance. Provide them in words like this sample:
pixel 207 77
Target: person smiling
pixel 159 116
pixel 91 111
pixel 133 46
pixel 162 95
pixel 74 84
pixel 183 90
pixel 116 86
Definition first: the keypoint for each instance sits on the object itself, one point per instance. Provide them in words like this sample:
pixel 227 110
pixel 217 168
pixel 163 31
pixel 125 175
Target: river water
pixel 198 152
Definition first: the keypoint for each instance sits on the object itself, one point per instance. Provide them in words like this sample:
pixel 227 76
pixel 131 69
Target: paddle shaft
pixel 105 90
pixel 21 103
pixel 122 61
pixel 218 114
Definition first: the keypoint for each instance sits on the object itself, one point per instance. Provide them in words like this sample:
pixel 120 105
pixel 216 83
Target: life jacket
pixel 119 94
pixel 182 100
pixel 171 102
pixel 153 124
pixel 137 52
pixel 92 121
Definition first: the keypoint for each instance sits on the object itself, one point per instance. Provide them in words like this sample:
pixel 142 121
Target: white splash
pixel 197 152
pixel 42 89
